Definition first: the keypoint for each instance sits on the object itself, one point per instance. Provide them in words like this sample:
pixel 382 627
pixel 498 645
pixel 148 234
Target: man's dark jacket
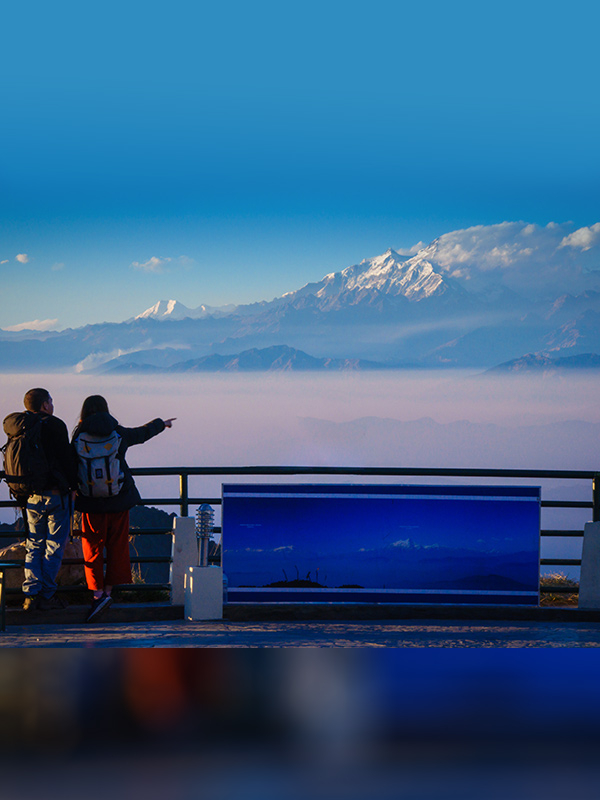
pixel 103 424
pixel 55 443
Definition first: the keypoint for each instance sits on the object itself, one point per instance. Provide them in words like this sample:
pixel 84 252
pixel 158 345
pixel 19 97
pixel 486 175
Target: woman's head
pixel 94 404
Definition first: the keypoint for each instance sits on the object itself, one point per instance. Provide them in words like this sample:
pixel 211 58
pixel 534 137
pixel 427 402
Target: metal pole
pixel 2 602
pixel 183 493
pixel 596 497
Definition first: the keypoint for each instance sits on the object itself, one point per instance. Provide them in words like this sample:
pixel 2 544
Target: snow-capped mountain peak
pixel 166 309
pixel 389 273
pixel 174 310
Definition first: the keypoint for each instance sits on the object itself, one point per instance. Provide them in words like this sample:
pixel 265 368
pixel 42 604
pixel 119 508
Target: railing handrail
pixel 375 471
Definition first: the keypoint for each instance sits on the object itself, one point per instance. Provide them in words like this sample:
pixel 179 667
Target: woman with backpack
pixel 106 491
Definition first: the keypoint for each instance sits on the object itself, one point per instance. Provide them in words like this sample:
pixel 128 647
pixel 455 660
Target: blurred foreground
pixel 297 723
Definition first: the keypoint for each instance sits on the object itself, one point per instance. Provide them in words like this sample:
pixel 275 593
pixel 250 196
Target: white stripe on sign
pixel 321 496
pixel 466 592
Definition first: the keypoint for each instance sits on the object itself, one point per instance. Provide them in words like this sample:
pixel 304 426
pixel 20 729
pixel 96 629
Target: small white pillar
pixel 589 581
pixel 184 553
pixel 203 593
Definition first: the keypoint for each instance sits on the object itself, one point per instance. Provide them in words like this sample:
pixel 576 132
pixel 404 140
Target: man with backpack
pixel 41 473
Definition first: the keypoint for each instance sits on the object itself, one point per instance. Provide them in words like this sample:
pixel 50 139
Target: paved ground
pixel 372 633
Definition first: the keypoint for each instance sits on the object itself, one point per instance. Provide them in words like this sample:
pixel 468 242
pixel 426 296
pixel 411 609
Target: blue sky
pixel 252 147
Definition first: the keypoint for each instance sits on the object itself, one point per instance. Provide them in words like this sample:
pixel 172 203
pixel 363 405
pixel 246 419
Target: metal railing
pixel 183 500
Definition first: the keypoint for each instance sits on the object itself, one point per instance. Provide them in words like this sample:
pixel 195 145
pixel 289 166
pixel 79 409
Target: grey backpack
pixel 100 473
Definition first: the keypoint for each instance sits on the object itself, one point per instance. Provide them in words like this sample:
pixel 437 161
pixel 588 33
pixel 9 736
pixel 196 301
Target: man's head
pixel 37 400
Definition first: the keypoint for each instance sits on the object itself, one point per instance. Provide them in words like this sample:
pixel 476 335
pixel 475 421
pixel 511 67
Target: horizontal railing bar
pixel 567 504
pixel 176 501
pixel 80 562
pixel 161 501
pixel 136 587
pixel 382 471
pixel 150 531
pixel 375 471
pixel 217 529
pixel 565 562
pixel 131 587
pixel 140 587
pixel 132 532
pixel 559 589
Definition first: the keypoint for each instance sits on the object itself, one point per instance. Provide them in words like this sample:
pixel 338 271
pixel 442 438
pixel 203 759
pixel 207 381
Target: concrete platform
pixel 281 612
pixel 76 614
pixel 406 633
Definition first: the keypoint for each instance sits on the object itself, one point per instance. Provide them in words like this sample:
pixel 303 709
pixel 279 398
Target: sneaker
pixel 32 601
pixel 99 605
pixel 56 602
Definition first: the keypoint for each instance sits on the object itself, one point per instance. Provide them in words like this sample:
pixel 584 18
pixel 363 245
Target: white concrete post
pixel 184 553
pixel 589 581
pixel 203 593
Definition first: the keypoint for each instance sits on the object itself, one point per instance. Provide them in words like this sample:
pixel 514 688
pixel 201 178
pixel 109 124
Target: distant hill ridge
pixel 541 362
pixel 269 359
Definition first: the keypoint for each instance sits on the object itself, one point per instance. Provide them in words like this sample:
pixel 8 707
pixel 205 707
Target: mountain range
pixel 474 298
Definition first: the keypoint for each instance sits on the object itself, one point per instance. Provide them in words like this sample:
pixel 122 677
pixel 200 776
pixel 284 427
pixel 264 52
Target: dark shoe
pixel 56 602
pixel 99 605
pixel 32 602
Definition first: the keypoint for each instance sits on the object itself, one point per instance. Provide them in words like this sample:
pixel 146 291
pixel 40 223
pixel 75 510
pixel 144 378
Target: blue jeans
pixel 48 519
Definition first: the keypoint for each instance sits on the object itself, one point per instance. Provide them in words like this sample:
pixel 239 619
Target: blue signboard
pixel 394 544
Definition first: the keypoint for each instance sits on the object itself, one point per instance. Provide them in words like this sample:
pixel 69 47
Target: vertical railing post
pixel 183 494
pixel 596 497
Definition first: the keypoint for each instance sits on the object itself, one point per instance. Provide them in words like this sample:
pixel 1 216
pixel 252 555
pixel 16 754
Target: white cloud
pixel 22 258
pixel 153 264
pixel 94 360
pixel 186 261
pixel 58 266
pixel 411 251
pixel 583 238
pixel 35 325
pixel 5 261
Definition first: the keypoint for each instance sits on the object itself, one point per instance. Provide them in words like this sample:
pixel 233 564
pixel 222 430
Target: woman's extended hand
pixel 169 422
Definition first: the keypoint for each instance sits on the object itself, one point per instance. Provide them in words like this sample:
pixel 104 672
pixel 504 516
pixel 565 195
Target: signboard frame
pixel 365 543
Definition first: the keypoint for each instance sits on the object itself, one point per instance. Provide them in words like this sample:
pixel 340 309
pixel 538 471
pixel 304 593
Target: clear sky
pixel 230 152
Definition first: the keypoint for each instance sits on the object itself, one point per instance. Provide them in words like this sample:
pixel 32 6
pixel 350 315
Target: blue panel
pixel 387 544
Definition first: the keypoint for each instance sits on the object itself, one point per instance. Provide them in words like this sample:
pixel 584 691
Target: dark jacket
pixel 55 443
pixel 103 425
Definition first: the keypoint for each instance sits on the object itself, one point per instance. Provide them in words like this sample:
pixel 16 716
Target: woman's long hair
pixel 94 404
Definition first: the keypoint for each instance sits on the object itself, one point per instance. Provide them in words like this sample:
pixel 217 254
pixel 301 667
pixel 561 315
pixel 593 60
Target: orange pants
pixel 111 531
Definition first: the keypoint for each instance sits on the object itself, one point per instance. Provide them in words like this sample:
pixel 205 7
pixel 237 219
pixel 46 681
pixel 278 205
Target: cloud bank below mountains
pixel 34 325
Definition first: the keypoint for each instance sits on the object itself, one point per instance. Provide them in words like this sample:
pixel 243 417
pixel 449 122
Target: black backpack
pixel 26 466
